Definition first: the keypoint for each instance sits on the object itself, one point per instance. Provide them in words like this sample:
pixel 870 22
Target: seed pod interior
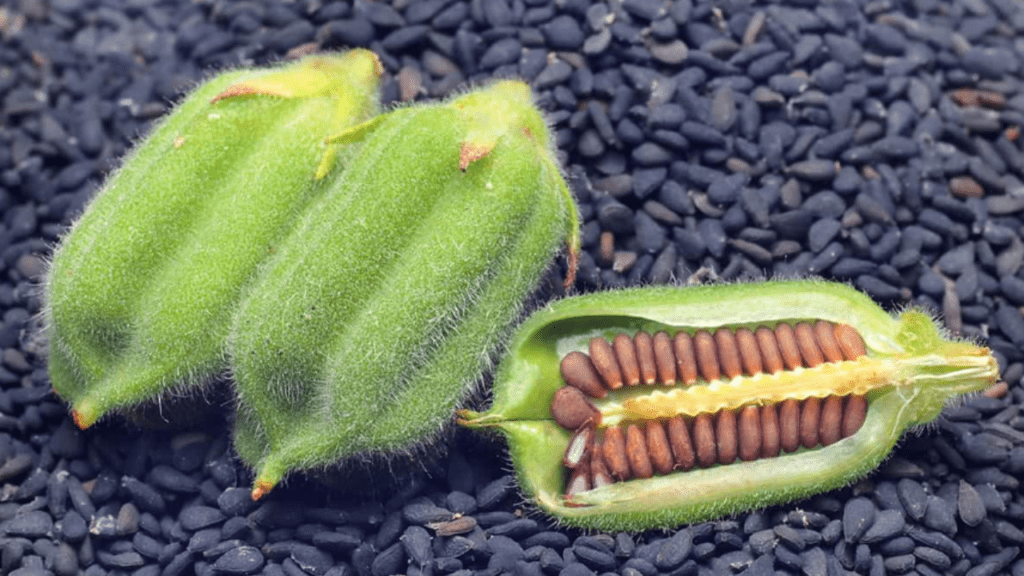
pixel 735 441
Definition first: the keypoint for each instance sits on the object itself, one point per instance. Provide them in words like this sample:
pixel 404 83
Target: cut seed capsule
pixel 776 391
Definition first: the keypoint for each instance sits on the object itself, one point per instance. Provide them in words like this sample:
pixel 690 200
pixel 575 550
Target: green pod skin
pixel 140 293
pixel 917 371
pixel 387 302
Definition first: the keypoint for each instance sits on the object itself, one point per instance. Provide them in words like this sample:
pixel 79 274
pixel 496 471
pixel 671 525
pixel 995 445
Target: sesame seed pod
pixel 385 305
pixel 139 296
pixel 907 372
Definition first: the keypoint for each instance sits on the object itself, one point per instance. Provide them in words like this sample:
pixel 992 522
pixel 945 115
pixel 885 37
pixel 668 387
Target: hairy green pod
pixel 387 301
pixel 908 374
pixel 140 292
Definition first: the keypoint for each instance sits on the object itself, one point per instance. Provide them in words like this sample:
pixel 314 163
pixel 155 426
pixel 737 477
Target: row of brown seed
pixel 753 432
pixel 646 359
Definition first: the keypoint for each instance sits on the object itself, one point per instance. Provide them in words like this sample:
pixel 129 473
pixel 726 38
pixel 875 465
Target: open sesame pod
pixel 686 404
pixel 385 305
pixel 140 293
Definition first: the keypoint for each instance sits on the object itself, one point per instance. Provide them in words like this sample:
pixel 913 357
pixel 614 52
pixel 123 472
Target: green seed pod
pixel 389 299
pixel 654 407
pixel 140 293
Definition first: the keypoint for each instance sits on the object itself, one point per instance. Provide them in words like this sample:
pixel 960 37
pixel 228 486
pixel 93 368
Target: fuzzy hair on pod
pixel 139 298
pixel 384 305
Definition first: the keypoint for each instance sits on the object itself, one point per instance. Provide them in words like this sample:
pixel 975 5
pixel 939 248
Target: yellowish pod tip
pixel 260 488
pixel 82 420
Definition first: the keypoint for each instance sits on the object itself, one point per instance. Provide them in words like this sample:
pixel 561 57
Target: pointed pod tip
pixel 260 488
pixel 81 420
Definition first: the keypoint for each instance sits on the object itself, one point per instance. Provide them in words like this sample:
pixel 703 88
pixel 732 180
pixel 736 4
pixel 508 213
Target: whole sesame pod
pixel 658 406
pixel 140 293
pixel 385 305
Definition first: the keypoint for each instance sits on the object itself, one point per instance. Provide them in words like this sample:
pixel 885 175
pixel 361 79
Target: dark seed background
pixel 870 142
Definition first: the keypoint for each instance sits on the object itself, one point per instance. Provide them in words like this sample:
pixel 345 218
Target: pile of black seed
pixel 872 142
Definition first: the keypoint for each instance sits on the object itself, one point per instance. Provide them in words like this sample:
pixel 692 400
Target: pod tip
pixel 260 488
pixel 83 419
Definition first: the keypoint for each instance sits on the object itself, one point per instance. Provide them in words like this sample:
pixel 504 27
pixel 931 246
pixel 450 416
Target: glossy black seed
pixel 143 495
pixel 913 497
pixel 31 524
pixel 198 517
pixel 941 515
pixel 494 492
pixel 1011 323
pixel 563 33
pixel 674 551
pixel 71 527
pixel 241 560
pixel 888 523
pixel 969 504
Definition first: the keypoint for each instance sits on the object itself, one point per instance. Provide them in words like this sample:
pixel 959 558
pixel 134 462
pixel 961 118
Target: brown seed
pixel 664 358
pixel 603 358
pixel 825 334
pixel 854 414
pixel 725 431
pixel 788 347
pixel 850 342
pixel 750 353
pixel 580 445
pixel 686 359
pixel 707 356
pixel 965 96
pixel 453 527
pixel 613 448
pixel 975 97
pixel 607 248
pixel 809 350
pixel 682 447
pixel 636 451
pixel 625 354
pixel 993 100
pixel 965 187
pixel 1012 133
pixel 658 448
pixel 789 425
pixel 830 425
pixel 770 440
pixel 728 353
pixel 810 415
pixel 599 475
pixel 571 409
pixel 704 440
pixel 645 356
pixel 579 372
pixel 749 432
pixel 770 353
pixel 997 390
